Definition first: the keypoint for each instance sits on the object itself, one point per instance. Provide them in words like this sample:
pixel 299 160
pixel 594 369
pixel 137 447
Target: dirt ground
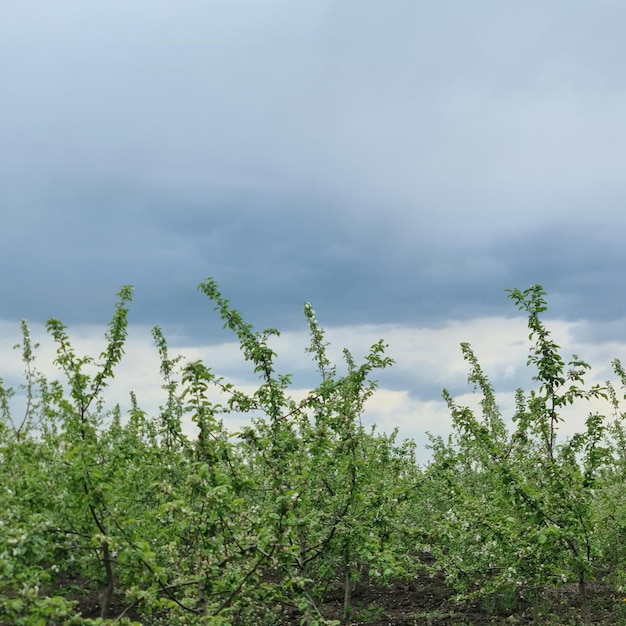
pixel 427 601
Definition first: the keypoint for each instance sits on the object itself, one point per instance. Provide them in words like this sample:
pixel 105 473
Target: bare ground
pixel 427 601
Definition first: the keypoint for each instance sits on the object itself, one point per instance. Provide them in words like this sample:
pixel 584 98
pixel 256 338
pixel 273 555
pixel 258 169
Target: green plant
pixel 257 526
pixel 522 509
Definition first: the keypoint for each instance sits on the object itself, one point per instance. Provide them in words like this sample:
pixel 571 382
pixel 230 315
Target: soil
pixel 427 601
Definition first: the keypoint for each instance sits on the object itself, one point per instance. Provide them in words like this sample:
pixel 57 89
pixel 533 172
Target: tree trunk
pixel 107 592
pixel 347 593
pixel 584 600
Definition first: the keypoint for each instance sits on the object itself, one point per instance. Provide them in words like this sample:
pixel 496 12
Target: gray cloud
pixel 400 163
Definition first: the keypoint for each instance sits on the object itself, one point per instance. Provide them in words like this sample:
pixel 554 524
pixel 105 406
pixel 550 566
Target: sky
pixel 397 164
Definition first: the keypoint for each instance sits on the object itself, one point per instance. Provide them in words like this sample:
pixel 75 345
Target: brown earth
pixel 427 601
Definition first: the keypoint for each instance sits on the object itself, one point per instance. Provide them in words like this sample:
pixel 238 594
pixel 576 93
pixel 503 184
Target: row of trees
pixel 257 526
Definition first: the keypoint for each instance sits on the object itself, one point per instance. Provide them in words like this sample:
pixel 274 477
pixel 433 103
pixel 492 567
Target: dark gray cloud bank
pixel 400 162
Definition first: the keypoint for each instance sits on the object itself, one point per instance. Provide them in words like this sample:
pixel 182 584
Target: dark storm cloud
pixel 396 162
pixel 271 252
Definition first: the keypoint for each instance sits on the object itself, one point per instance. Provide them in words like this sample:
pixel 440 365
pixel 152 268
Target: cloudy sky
pixel 398 164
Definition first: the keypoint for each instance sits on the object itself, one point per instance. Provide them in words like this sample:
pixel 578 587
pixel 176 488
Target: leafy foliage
pixel 256 526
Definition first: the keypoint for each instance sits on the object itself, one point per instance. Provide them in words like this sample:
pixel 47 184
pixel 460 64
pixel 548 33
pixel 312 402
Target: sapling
pixel 530 511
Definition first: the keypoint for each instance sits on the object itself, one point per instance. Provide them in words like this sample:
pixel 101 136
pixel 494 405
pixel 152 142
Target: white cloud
pixel 425 359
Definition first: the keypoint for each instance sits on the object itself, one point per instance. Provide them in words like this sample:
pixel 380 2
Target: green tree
pixel 522 505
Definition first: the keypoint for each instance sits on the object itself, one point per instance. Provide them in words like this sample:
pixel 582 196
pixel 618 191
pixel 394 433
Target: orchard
pixel 121 518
